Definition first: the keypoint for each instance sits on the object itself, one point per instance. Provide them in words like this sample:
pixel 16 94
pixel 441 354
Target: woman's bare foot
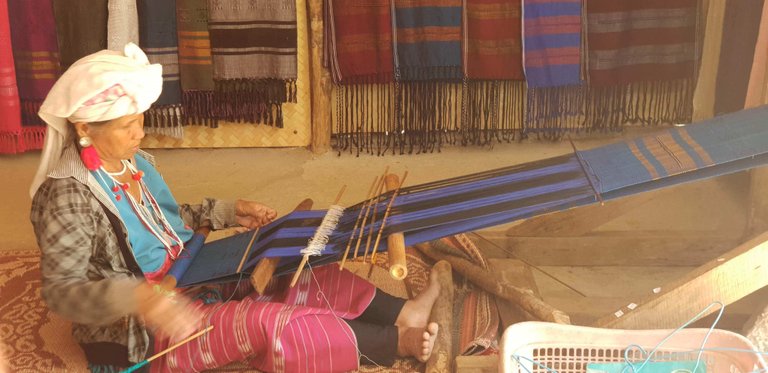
pixel 417 342
pixel 415 312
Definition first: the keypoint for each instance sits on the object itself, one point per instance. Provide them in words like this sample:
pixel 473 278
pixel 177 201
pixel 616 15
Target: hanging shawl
pixel 740 29
pixel 253 44
pixel 36 56
pixel 493 104
pixel 427 40
pixel 81 28
pixel 552 63
pixel 122 24
pixel 157 31
pixel 195 65
pixel 359 36
pixel 10 111
pixel 647 49
pixel 358 52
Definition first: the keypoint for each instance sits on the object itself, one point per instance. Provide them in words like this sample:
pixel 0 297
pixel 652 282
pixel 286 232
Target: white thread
pixel 118 173
pixel 318 241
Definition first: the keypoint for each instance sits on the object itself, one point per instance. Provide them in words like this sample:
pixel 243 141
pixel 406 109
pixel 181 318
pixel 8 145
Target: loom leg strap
pixel 262 273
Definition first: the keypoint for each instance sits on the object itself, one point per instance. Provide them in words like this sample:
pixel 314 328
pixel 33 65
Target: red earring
pixel 88 154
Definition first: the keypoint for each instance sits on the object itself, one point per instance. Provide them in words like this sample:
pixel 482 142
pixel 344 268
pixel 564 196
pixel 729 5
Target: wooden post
pixel 442 313
pixel 704 94
pixel 320 80
pixel 266 267
pixel 396 241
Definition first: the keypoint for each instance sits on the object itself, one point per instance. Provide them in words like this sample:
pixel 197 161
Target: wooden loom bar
pixel 398 268
pixel 320 79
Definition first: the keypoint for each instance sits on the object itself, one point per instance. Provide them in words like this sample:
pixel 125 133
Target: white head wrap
pixel 141 83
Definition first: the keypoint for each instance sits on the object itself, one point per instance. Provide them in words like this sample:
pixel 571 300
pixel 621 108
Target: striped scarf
pixel 646 48
pixel 552 39
pixel 10 111
pixel 195 65
pixel 36 56
pixel 428 39
pixel 253 45
pixel 81 28
pixel 359 41
pixel 157 32
pixel 492 102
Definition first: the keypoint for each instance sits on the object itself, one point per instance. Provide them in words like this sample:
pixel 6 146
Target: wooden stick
pixel 248 249
pixel 374 203
pixel 169 349
pixel 392 179
pixel 373 218
pixel 369 197
pixel 305 259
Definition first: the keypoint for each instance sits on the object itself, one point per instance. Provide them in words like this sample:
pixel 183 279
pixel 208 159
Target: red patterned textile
pixel 10 109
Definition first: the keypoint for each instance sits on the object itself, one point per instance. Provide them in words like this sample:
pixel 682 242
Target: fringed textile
pixel 552 63
pixel 492 105
pixel 276 330
pixel 642 60
pixel 36 57
pixel 253 44
pixel 195 64
pixel 359 41
pixel 10 110
pixel 122 24
pixel 81 28
pixel 427 40
pixel 493 39
pixel 740 29
pixel 157 30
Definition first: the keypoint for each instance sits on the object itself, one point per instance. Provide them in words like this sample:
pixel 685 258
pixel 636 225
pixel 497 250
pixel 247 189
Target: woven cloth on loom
pixel 36 56
pixel 10 110
pixel 157 31
pixel 122 24
pixel 81 28
pixel 253 44
pixel 552 42
pixel 195 65
pixel 359 38
pixel 428 39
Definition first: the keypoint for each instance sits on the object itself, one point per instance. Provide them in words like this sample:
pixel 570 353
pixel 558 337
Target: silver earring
pixel 85 141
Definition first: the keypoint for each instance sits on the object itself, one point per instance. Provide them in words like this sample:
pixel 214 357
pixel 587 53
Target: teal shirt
pixel 148 250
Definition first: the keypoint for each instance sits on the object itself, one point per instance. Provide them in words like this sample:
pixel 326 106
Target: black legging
pixel 375 329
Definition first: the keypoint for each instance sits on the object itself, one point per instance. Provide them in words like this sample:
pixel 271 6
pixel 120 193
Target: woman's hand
pixel 166 312
pixel 253 215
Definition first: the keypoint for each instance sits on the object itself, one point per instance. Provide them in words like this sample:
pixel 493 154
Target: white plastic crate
pixel 569 348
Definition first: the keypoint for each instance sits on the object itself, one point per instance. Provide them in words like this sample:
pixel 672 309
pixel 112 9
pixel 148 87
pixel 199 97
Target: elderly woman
pixel 109 228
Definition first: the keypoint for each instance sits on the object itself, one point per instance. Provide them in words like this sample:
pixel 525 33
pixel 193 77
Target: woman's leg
pixel 381 344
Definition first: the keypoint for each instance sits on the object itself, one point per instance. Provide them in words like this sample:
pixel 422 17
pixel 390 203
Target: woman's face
pixel 119 138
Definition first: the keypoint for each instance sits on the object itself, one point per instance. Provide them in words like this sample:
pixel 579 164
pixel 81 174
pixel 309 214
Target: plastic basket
pixel 569 348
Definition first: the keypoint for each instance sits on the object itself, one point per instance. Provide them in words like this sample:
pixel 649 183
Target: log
pixel 320 81
pixel 480 277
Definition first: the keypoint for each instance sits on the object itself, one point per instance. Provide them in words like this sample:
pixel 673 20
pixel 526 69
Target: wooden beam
pixel 757 221
pixel 662 249
pixel 477 364
pixel 580 220
pixel 727 279
pixel 706 84
pixel 320 81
